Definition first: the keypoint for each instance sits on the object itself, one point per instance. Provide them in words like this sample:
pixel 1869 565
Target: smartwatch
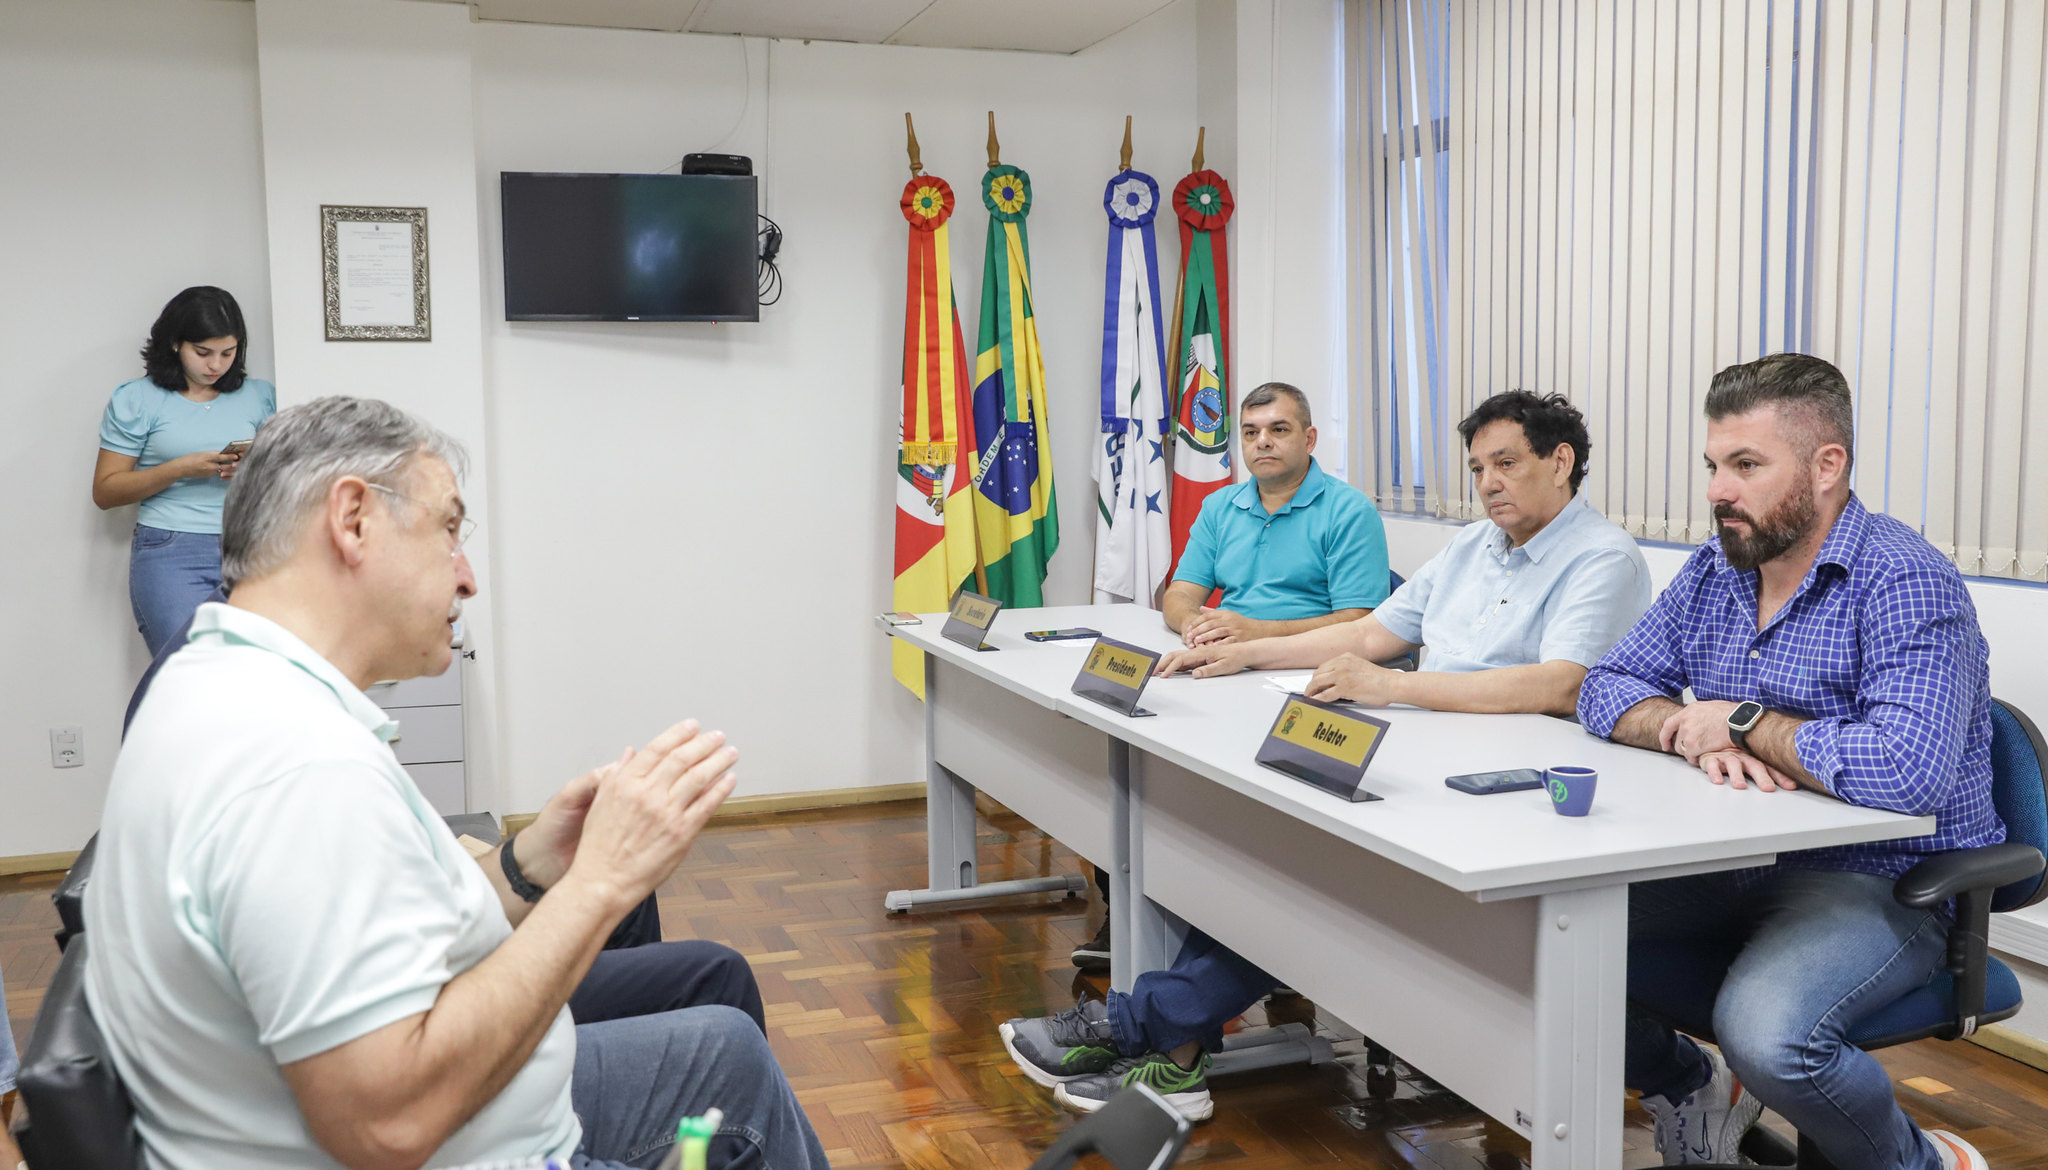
pixel 1742 721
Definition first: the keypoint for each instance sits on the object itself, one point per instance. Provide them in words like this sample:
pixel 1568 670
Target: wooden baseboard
pixel 781 802
pixel 2017 1045
pixel 37 863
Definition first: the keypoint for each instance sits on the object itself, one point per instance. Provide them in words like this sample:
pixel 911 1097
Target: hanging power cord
pixel 768 282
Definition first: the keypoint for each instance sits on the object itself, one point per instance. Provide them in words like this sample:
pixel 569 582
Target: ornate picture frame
pixel 374 274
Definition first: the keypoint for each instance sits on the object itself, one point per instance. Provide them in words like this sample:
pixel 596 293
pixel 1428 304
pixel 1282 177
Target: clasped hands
pixel 623 828
pixel 1699 732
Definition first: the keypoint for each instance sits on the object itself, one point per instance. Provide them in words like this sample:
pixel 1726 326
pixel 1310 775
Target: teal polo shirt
pixel 1325 551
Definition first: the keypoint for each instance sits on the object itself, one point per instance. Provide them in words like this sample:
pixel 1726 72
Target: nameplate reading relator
pixel 1324 745
pixel 971 616
pixel 1114 674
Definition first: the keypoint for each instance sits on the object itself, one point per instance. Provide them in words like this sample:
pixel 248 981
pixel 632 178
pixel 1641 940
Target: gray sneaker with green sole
pixel 1057 1048
pixel 1186 1089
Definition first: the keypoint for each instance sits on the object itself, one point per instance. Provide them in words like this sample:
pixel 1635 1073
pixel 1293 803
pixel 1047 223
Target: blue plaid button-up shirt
pixel 1879 648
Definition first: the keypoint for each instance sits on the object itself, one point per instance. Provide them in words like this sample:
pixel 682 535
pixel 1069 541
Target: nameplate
pixel 971 616
pixel 1114 674
pixel 1324 745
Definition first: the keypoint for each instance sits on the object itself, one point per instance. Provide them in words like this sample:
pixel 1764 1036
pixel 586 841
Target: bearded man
pixel 1827 648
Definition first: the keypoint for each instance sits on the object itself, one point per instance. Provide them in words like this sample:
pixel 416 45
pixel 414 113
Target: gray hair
pixel 298 455
pixel 1811 395
pixel 1272 392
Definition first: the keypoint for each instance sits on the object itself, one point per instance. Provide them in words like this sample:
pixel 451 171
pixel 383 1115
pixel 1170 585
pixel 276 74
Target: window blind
pixel 1614 200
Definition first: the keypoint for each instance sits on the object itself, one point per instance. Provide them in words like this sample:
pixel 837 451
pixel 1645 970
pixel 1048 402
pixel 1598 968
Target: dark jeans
pixel 1208 986
pixel 667 1031
pixel 1820 950
pixel 666 977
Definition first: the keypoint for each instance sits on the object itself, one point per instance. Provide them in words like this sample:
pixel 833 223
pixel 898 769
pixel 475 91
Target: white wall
pixel 133 170
pixel 368 103
pixel 696 519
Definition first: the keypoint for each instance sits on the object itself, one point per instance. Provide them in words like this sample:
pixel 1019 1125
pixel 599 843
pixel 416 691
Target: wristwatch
pixel 516 877
pixel 1742 721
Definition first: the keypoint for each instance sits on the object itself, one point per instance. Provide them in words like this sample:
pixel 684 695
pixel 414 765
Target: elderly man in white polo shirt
pixel 294 962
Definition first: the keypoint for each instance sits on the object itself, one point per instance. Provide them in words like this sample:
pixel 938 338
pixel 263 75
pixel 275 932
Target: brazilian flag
pixel 1017 521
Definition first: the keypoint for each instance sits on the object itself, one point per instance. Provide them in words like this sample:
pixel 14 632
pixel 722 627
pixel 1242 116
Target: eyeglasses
pixel 464 526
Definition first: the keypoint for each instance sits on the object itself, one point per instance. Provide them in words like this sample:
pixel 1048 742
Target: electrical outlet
pixel 67 747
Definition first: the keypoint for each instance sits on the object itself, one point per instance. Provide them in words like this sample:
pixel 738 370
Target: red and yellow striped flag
pixel 934 504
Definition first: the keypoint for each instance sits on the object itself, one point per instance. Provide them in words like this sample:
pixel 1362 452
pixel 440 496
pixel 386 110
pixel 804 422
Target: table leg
pixel 949 833
pixel 1146 937
pixel 1581 989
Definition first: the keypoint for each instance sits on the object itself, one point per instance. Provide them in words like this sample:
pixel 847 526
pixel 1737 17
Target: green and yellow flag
pixel 1016 519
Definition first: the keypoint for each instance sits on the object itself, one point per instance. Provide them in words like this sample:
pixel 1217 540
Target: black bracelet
pixel 514 876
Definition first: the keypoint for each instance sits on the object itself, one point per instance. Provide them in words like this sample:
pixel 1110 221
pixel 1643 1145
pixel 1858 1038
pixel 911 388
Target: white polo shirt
pixel 270 885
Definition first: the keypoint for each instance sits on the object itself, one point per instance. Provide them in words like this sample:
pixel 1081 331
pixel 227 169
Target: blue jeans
pixel 10 1063
pixel 1208 986
pixel 1819 950
pixel 169 574
pixel 635 1078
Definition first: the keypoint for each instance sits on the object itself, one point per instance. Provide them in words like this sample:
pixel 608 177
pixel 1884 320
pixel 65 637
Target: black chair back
pixel 69 896
pixel 1137 1130
pixel 79 1115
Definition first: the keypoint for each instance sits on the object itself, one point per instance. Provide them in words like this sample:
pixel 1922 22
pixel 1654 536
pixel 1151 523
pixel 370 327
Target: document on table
pixel 1289 684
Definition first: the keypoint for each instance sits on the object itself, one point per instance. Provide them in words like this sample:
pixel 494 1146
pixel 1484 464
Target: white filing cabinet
pixel 429 743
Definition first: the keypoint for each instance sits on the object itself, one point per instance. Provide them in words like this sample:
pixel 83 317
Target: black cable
pixel 768 277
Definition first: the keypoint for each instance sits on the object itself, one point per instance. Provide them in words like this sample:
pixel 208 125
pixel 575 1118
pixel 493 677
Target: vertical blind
pixel 1613 200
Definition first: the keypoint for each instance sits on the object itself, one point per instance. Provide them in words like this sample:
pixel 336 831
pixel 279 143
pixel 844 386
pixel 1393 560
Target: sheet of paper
pixel 1289 684
pixel 374 273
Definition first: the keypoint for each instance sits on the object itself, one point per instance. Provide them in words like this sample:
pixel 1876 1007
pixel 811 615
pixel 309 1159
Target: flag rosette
pixel 1131 199
pixel 927 202
pixel 1203 202
pixel 1006 192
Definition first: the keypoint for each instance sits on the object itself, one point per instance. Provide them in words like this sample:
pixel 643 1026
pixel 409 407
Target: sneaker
pixel 1186 1089
pixel 1093 955
pixel 1956 1154
pixel 1052 1049
pixel 1707 1126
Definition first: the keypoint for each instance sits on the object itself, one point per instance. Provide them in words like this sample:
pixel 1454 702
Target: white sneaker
pixel 1707 1126
pixel 1956 1154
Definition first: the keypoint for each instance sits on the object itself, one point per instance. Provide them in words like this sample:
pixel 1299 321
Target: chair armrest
pixel 1942 876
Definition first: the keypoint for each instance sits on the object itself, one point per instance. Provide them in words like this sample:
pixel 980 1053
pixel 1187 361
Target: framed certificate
pixel 373 264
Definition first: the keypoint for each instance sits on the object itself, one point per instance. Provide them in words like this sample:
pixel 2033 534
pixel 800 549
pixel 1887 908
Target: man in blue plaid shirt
pixel 1831 648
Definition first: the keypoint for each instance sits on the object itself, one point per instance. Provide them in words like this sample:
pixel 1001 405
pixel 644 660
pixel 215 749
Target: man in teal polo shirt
pixel 1291 549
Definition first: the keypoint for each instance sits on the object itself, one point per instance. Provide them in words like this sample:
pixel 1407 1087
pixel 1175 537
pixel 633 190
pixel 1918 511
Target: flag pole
pixel 1124 160
pixel 910 128
pixel 993 160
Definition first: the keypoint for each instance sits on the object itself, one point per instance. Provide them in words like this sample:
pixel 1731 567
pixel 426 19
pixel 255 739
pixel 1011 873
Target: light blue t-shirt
pixel 1570 593
pixel 157 425
pixel 1325 551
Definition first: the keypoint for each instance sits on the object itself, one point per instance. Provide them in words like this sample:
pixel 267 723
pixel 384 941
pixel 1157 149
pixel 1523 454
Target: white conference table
pixel 1482 938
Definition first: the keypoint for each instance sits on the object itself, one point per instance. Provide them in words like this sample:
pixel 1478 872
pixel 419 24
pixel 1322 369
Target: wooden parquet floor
pixel 886 1025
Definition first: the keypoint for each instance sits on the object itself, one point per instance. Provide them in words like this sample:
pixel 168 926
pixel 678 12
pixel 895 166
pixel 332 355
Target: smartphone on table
pixel 1488 783
pixel 1062 635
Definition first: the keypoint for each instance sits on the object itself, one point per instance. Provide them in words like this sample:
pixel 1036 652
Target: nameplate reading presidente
pixel 1324 745
pixel 971 616
pixel 1114 674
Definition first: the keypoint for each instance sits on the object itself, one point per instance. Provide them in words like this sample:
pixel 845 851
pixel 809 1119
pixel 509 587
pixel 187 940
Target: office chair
pixel 1677 982
pixel 1137 1130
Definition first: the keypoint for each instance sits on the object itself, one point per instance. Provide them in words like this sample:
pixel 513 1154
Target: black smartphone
pixel 1062 635
pixel 1488 783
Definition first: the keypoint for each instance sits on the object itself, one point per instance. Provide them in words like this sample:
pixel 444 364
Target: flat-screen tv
pixel 629 247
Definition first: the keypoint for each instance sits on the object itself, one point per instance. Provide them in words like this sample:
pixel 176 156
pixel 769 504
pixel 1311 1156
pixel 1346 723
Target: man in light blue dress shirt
pixel 1513 614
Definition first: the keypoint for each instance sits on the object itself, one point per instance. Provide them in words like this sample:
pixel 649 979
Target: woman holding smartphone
pixel 169 441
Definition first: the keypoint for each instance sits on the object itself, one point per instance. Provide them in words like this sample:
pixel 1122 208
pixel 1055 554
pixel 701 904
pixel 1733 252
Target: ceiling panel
pixel 865 21
pixel 1047 26
pixel 660 15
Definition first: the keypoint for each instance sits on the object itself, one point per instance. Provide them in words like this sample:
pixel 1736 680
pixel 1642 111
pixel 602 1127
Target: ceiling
pixel 1045 26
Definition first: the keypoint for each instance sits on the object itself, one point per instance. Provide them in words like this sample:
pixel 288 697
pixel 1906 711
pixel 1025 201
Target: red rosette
pixel 1203 202
pixel 927 202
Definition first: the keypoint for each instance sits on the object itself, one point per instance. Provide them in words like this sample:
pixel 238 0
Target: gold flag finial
pixel 1124 160
pixel 916 163
pixel 993 160
pixel 1201 132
